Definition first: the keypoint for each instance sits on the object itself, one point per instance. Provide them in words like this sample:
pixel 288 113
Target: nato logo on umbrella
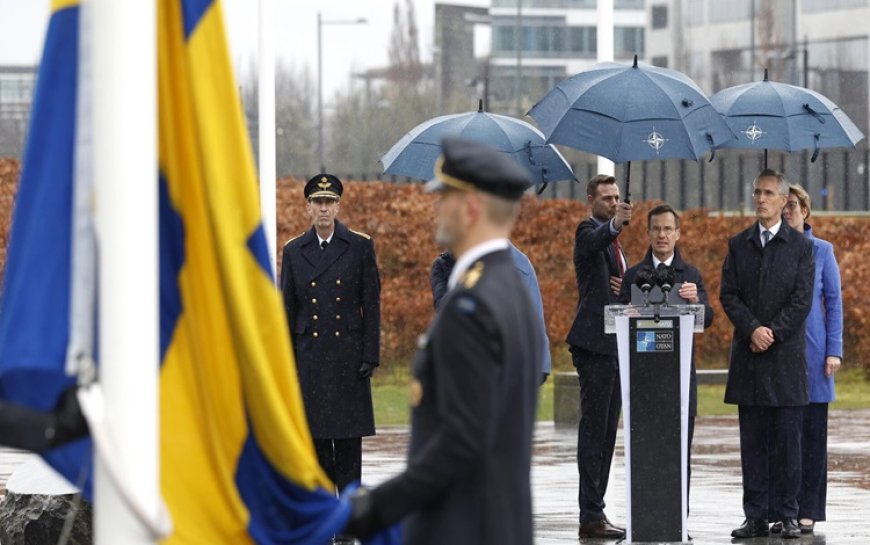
pixel 655 140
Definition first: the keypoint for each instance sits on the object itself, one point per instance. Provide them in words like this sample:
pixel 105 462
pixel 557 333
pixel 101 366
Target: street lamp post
pixel 320 23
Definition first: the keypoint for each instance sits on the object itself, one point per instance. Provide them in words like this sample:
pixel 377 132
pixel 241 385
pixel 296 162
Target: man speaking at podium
pixel 663 226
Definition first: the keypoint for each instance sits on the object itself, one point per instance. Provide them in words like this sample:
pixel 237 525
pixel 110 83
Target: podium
pixel 655 357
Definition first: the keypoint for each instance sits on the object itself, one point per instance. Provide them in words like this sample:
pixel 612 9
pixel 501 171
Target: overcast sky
pixel 346 48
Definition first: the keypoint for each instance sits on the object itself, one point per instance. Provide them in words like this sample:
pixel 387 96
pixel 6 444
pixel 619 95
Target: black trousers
pixel 770 453
pixel 600 403
pixel 341 459
pixel 814 462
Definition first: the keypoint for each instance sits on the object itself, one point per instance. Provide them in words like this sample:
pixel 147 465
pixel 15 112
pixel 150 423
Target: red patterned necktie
pixel 620 262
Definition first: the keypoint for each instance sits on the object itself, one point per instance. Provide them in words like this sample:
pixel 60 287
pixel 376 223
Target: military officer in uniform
pixel 475 376
pixel 331 289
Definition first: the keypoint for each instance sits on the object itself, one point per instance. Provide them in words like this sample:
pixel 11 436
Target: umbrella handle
pixel 542 188
pixel 627 185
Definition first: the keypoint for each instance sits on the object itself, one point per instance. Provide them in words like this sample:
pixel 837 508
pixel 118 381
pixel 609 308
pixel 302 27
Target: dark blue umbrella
pixel 631 113
pixel 415 154
pixel 770 115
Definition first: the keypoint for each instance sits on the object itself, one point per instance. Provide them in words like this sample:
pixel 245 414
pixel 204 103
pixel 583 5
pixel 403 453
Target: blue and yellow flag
pixel 35 304
pixel 238 464
pixel 237 461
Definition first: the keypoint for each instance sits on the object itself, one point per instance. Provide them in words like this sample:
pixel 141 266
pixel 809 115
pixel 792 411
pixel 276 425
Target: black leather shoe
pixel 600 529
pixel 751 527
pixel 776 528
pixel 806 528
pixel 790 529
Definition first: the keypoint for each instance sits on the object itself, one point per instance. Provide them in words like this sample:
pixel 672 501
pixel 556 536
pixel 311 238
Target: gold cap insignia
pixel 472 275
pixel 324 183
pixel 415 393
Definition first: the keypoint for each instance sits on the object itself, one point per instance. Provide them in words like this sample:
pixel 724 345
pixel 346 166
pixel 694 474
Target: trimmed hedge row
pixel 400 219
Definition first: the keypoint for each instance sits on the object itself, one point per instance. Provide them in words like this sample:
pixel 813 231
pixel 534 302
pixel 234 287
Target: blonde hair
pixel 802 196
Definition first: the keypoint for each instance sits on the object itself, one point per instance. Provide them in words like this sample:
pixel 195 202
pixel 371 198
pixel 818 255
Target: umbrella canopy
pixel 631 113
pixel 415 154
pixel 771 115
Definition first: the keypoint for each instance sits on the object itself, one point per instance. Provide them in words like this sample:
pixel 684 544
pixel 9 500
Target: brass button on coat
pixel 314 301
pixel 337 334
pixel 315 334
pixel 314 317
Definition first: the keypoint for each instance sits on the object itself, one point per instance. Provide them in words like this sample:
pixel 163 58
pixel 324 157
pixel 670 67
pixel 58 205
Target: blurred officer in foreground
pixel 331 288
pixel 475 376
pixel 28 429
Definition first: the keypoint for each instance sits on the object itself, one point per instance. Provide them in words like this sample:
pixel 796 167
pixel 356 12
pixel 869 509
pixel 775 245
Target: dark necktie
pixel 324 244
pixel 765 238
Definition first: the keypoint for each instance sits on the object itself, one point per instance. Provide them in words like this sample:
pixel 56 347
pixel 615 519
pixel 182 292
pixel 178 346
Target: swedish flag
pixel 238 463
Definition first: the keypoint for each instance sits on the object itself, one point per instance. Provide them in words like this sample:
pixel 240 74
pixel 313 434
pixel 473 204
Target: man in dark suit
pixel 331 288
pixel 663 225
pixel 475 376
pixel 766 291
pixel 599 264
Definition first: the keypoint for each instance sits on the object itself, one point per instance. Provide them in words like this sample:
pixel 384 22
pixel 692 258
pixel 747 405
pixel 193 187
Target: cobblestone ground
pixel 716 491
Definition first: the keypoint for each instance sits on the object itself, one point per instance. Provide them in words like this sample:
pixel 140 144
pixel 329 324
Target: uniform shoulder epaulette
pixel 472 275
pixel 291 239
pixel 365 236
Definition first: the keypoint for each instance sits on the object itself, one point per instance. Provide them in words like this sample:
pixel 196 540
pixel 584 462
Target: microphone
pixel 645 280
pixel 666 278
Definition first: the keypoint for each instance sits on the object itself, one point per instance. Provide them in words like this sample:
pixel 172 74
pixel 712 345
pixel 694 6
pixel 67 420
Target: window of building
pixel 582 39
pixel 810 6
pixel 628 4
pixel 695 12
pixel 733 10
pixel 659 17
pixel 628 41
pixel 504 39
pixel 661 61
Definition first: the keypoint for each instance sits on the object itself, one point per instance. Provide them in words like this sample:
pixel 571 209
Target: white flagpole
pixel 604 48
pixel 266 113
pixel 124 46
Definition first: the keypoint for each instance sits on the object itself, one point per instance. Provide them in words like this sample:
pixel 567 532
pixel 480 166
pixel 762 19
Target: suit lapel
pixel 336 248
pixel 310 249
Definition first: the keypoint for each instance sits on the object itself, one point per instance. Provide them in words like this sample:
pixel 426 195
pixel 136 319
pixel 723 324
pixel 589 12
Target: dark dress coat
pixel 474 395
pixel 594 264
pixel 772 287
pixel 332 301
pixel 684 273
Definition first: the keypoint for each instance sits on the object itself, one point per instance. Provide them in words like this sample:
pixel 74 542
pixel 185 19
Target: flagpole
pixel 124 48
pixel 266 113
pixel 604 48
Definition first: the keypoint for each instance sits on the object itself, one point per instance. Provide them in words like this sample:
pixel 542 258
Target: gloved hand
pixel 367 369
pixel 69 422
pixel 364 521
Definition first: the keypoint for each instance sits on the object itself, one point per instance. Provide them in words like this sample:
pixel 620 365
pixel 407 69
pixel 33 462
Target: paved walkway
pixel 716 491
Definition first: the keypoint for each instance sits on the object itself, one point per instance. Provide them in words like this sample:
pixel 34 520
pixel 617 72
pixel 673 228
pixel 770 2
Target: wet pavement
pixel 716 487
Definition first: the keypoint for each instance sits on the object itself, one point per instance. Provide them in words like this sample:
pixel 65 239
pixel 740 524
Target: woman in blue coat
pixel 824 332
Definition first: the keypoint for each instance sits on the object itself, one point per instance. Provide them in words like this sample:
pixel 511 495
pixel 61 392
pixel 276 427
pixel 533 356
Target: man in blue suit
pixel 599 264
pixel 443 266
